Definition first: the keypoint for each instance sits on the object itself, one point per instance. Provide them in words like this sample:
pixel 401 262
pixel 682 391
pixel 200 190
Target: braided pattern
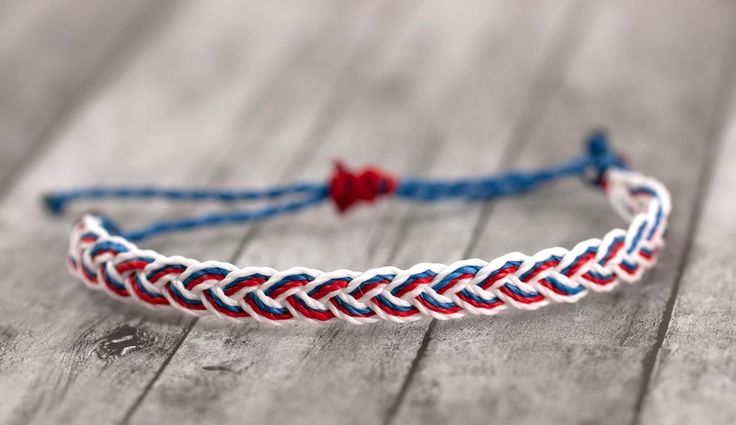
pixel 111 263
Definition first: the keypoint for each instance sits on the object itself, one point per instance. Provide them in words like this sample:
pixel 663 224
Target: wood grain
pixel 586 363
pixel 243 94
pixel 694 375
pixel 266 375
pixel 54 367
pixel 51 58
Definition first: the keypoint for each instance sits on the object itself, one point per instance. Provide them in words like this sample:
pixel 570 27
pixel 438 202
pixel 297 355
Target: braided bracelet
pixel 104 257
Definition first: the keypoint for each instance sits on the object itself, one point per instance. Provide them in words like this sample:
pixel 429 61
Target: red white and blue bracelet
pixel 106 258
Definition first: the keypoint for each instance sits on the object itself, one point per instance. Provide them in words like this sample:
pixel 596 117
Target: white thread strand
pixel 473 286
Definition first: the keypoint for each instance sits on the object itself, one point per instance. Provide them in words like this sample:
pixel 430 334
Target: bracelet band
pixel 104 258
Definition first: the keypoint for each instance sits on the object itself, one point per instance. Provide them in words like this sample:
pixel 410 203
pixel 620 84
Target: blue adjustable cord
pixel 598 158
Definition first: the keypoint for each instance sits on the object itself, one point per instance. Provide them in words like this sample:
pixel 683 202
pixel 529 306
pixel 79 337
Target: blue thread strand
pixel 56 201
pixel 220 218
pixel 598 158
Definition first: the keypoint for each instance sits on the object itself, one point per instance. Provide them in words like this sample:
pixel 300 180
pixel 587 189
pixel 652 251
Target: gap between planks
pixel 694 94
pixel 713 140
pixel 504 139
pixel 332 67
pixel 572 28
pixel 335 104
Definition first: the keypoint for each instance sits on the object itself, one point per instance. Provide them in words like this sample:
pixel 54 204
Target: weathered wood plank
pixel 655 87
pixel 695 376
pixel 233 83
pixel 256 98
pixel 452 56
pixel 50 59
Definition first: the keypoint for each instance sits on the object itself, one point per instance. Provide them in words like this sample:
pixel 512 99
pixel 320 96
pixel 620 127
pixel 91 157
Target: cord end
pixel 603 156
pixel 600 149
pixel 597 143
pixel 53 203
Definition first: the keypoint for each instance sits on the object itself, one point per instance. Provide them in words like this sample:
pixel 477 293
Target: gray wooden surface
pixel 237 94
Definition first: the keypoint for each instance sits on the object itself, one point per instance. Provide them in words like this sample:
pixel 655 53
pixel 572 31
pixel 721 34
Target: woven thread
pixel 106 261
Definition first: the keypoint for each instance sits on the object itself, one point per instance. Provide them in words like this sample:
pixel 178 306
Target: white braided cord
pixel 477 287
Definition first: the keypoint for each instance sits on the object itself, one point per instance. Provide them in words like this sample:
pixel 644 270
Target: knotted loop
pixel 349 187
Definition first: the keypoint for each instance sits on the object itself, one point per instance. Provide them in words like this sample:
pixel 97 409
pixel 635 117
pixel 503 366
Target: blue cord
pixel 598 158
pixel 57 201
pixel 219 218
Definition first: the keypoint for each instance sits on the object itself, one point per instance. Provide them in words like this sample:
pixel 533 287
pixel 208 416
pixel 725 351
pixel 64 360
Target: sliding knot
pixel 348 187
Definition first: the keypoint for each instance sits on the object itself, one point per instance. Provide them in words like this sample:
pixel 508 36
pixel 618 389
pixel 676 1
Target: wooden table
pixel 241 94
